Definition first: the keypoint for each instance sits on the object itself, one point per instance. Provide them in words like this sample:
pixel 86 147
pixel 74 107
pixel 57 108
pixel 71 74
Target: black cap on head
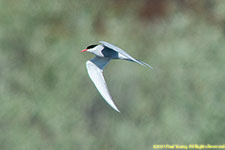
pixel 91 46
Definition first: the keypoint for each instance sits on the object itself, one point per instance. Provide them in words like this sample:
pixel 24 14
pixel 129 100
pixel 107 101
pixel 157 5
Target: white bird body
pixel 104 53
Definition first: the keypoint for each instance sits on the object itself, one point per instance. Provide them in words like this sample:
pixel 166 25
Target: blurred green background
pixel 47 100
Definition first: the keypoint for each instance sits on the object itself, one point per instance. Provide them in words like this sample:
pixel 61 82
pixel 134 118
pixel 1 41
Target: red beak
pixel 84 50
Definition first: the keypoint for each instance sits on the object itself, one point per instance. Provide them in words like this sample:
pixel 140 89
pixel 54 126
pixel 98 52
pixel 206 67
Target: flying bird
pixel 104 52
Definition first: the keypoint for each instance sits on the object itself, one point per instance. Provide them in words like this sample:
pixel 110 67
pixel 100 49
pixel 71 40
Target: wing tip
pixel 144 64
pixel 113 106
pixel 116 109
pixel 149 66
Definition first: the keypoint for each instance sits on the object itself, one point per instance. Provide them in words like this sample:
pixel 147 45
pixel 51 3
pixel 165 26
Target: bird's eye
pixel 91 46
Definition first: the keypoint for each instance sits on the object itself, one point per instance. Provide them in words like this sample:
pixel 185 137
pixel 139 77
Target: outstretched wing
pixel 95 68
pixel 119 50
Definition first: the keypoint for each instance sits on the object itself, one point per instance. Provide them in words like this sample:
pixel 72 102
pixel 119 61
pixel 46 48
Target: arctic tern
pixel 104 52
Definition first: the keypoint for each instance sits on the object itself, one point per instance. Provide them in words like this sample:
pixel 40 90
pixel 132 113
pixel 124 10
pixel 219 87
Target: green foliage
pixel 49 102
